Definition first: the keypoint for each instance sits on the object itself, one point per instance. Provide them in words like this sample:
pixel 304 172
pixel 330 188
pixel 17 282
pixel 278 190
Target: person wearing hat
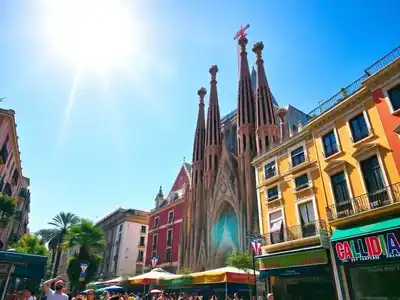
pixel 270 296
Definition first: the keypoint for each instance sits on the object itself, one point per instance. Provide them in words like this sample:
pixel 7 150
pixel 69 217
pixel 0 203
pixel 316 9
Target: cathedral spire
pixel 213 132
pixel 246 139
pixel 245 116
pixel 266 127
pixel 199 140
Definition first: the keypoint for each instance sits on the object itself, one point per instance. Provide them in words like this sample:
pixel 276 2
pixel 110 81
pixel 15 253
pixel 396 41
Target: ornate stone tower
pixel 213 134
pixel 267 129
pixel 246 141
pixel 197 203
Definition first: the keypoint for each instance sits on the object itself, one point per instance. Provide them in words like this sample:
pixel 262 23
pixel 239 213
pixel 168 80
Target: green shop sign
pixel 178 281
pixel 297 259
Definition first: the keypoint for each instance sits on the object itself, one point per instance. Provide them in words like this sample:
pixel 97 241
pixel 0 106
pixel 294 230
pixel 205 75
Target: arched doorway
pixel 225 234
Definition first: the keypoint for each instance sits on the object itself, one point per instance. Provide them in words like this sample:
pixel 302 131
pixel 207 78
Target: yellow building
pixel 337 175
pixel 293 218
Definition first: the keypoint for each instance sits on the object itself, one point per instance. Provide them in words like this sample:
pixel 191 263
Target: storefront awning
pixel 342 234
pixel 294 263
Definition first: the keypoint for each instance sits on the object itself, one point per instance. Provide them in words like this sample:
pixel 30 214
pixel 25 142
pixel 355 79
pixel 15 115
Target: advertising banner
pixel 382 246
pixel 297 259
pixel 84 266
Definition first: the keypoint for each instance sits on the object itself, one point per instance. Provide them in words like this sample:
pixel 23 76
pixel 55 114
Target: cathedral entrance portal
pixel 225 234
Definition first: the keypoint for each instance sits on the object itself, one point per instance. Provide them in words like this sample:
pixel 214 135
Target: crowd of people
pixel 59 293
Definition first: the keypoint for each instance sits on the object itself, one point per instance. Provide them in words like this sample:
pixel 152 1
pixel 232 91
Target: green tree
pixel 242 261
pixel 7 209
pixel 90 240
pixel 31 244
pixel 55 236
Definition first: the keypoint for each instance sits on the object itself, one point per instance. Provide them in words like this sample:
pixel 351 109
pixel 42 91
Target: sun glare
pixel 92 34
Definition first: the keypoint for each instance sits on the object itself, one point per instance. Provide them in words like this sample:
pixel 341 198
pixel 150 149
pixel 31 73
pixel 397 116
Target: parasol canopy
pixel 114 281
pixel 227 274
pixel 150 277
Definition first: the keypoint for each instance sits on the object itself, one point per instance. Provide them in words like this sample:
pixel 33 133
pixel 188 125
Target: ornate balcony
pixel 377 203
pixel 295 236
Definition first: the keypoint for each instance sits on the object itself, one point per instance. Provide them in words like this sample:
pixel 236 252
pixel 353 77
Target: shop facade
pixel 368 259
pixel 299 274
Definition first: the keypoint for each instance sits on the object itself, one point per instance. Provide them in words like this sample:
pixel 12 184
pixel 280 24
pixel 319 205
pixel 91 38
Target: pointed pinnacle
pixel 258 48
pixel 202 92
pixel 243 42
pixel 213 71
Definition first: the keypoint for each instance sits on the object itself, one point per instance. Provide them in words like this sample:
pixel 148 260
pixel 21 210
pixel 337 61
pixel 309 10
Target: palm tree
pixel 88 237
pixel 90 240
pixel 55 236
pixel 47 236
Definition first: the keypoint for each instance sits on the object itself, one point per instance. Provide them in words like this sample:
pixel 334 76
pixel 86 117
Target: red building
pixel 384 84
pixel 165 223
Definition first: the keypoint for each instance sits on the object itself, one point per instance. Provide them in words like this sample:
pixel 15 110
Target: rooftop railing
pixel 356 85
pixel 365 202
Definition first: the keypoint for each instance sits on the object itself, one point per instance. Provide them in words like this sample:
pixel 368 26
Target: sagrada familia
pixel 222 210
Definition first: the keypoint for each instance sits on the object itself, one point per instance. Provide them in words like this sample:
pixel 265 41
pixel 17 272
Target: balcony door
pixel 307 219
pixel 276 227
pixel 374 183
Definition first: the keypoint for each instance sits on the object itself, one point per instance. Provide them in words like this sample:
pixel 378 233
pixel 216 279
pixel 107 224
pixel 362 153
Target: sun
pixel 91 34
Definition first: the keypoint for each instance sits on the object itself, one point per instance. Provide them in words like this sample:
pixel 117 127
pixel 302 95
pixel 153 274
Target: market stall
pixel 149 278
pixel 226 280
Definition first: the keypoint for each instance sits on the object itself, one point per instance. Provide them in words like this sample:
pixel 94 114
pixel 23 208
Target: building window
pixel 341 196
pixel 339 187
pixel 359 128
pixel 301 182
pixel 374 182
pixel 307 219
pixel 7 189
pixel 143 229
pixel 169 237
pixel 156 219
pixel 120 227
pixel 272 193
pixel 155 241
pixel 170 217
pixel 168 255
pixel 330 144
pixel 394 97
pixel 298 156
pixel 4 153
pixel 142 240
pixel 270 170
pixel 276 227
pixel 140 255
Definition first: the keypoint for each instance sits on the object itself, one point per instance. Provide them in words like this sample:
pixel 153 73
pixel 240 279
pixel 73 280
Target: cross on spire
pixel 241 32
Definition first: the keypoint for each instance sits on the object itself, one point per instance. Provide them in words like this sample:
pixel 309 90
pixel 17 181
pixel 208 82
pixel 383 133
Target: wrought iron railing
pixel 363 203
pixel 383 62
pixel 337 98
pixel 287 234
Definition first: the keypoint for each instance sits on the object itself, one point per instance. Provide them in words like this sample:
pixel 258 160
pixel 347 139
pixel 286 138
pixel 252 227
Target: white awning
pixel 276 226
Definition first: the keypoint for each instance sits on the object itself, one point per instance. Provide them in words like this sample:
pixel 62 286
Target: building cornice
pixel 287 143
pixel 169 206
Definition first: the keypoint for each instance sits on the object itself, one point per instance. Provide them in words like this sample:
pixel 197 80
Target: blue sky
pixel 129 124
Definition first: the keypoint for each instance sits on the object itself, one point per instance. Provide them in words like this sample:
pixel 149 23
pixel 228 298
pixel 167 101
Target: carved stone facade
pixel 223 203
